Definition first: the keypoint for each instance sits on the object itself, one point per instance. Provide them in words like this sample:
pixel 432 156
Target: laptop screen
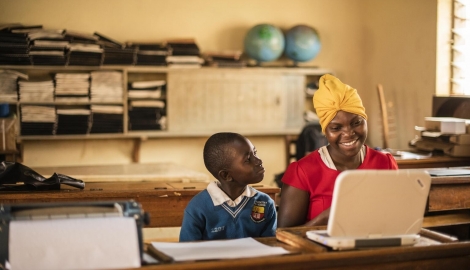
pixel 378 203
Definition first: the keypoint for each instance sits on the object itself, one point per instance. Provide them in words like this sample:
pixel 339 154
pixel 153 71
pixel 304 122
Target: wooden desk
pixel 165 202
pixel 433 162
pixel 308 255
pixel 164 172
pixel 449 193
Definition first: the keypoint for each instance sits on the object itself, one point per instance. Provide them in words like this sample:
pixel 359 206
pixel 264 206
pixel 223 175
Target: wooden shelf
pixel 254 101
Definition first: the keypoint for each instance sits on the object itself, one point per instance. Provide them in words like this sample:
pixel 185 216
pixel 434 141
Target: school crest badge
pixel 257 212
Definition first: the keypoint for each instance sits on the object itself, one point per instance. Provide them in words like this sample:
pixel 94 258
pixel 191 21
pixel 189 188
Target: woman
pixel 308 183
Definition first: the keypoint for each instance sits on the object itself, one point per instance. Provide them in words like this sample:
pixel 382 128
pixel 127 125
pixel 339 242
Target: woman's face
pixel 346 134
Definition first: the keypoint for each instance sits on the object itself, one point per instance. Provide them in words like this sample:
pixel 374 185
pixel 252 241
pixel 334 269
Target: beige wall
pixel 364 41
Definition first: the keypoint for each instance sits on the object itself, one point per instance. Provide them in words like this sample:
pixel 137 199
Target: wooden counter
pixel 165 202
pixel 164 172
pixel 432 162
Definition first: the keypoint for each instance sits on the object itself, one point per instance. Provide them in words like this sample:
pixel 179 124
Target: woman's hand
pixel 321 219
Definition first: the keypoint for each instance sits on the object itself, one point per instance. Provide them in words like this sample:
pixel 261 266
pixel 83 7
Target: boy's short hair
pixel 216 154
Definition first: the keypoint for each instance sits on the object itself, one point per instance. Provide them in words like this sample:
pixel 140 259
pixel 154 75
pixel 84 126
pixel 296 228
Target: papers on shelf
pixel 217 249
pixel 148 103
pixel 147 84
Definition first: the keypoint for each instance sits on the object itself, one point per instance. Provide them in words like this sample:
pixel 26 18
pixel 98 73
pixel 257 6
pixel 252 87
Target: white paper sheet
pixel 217 249
pixel 82 243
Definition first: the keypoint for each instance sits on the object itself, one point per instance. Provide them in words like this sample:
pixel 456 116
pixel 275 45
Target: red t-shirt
pixel 312 175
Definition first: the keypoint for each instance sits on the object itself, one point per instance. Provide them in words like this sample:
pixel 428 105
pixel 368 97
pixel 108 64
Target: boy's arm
pixel 271 218
pixel 191 229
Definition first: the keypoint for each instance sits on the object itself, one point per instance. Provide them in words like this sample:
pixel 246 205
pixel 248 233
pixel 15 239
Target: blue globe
pixel 264 42
pixel 302 43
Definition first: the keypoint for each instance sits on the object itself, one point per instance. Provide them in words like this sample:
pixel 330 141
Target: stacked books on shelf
pixel 147 115
pixel 83 49
pixel 106 119
pixel 73 120
pixel 38 120
pixel 146 89
pixel 14 45
pixel 36 90
pixel 185 53
pixel 72 87
pixel 224 59
pixel 106 86
pixel 48 47
pixel 150 54
pixel 115 52
pixel 9 84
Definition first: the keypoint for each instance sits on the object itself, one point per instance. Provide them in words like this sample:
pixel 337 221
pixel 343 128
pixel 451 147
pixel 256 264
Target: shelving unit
pixel 253 101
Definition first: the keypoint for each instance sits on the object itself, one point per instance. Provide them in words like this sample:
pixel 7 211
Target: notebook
pixel 375 208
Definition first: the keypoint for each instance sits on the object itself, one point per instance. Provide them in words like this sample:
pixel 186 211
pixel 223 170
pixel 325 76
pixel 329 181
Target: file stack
pixel 48 47
pixel 224 59
pixel 37 120
pixel 83 49
pixel 73 120
pixel 147 115
pixel 449 135
pixel 107 119
pixel 153 54
pixel 72 87
pixel 9 84
pixel 146 89
pixel 14 47
pixel 36 90
pixel 184 54
pixel 106 86
pixel 115 53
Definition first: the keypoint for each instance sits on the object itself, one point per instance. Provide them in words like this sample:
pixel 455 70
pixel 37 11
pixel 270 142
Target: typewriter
pixel 81 235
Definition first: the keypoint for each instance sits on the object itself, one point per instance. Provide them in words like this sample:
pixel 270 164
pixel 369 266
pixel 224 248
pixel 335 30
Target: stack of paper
pixel 72 87
pixel 106 86
pixel 38 120
pixel 107 119
pixel 36 90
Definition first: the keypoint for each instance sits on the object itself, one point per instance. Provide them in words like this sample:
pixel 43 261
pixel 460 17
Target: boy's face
pixel 246 168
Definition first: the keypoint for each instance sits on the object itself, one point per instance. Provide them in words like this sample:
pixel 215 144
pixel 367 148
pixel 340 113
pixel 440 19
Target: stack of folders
pixel 146 89
pixel 106 86
pixel 38 120
pixel 9 84
pixel 150 53
pixel 72 87
pixel 147 115
pixel 48 47
pixel 115 52
pixel 185 53
pixel 73 120
pixel 14 45
pixel 106 119
pixel 36 90
pixel 224 59
pixel 83 49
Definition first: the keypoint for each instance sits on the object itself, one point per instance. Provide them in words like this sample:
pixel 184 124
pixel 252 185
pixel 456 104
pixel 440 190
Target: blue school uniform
pixel 212 215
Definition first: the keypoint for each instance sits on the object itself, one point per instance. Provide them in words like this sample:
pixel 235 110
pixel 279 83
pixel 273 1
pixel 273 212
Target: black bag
pixel 17 177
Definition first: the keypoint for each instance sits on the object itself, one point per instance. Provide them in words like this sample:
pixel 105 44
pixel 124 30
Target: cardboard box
pixel 451 149
pixel 445 125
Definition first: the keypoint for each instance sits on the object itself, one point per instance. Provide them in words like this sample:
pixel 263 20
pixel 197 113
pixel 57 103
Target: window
pixel 461 48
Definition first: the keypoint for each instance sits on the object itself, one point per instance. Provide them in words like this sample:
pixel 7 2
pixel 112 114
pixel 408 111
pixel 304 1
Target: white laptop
pixel 375 208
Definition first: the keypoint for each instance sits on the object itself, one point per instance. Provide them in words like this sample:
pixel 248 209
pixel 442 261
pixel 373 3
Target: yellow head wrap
pixel 333 96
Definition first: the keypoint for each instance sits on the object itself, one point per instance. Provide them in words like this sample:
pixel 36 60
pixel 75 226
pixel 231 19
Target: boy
pixel 229 208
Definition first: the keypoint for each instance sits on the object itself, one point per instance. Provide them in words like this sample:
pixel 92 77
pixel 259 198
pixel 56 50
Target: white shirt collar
pixel 218 196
